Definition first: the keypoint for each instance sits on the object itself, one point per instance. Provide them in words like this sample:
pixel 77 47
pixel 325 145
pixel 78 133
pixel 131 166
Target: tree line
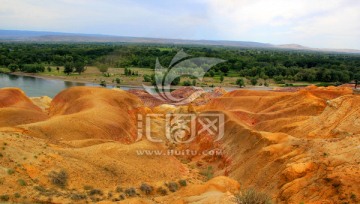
pixel 276 64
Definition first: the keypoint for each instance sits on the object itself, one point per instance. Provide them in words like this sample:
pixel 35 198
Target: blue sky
pixel 314 23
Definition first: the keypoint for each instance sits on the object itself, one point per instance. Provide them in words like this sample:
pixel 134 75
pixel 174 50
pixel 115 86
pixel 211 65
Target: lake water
pixel 34 86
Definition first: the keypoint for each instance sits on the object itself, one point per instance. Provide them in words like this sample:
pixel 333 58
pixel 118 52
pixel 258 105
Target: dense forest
pixel 277 64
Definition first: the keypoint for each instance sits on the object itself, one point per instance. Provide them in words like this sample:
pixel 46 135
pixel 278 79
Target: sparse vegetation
pixel 182 182
pixel 95 192
pixel 353 196
pixel 146 188
pixel 21 182
pixel 161 191
pixel 17 195
pixel 172 186
pixel 131 192
pixel 58 178
pixel 251 196
pixel 10 171
pixel 119 189
pixel 4 197
pixel 103 83
pixel 122 197
pixel 87 188
pixel 208 172
pixel 77 196
pixel 40 188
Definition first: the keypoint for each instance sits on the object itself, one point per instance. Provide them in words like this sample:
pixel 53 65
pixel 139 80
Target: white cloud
pixel 321 23
pixel 315 23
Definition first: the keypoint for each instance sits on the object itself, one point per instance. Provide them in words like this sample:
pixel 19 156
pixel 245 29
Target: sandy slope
pixel 301 146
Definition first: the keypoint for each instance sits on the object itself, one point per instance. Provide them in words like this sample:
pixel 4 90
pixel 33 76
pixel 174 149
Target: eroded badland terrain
pixel 81 146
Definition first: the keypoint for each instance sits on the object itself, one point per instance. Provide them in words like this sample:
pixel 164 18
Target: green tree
pixel 103 68
pixel 186 83
pixel 194 82
pixel 79 67
pixel 224 69
pixel 147 78
pixel 13 67
pixel 103 83
pixel 68 68
pixel 221 77
pixel 279 79
pixel 253 81
pixel 211 73
pixel 357 79
pixel 240 82
pixel 176 81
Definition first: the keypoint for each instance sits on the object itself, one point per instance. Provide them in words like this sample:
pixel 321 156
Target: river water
pixel 34 86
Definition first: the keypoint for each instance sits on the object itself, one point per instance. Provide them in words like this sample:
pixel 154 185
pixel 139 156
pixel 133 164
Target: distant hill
pixel 40 36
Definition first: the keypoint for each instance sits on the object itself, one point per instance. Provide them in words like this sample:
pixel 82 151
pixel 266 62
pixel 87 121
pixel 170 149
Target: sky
pixel 312 23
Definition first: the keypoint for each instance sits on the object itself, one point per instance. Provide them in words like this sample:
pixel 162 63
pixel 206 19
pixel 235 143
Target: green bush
pixel 253 81
pixel 172 186
pixel 208 173
pixel 211 73
pixel 186 83
pixel 103 83
pixel 95 192
pixel 58 178
pixel 131 192
pixel 147 189
pixel 240 82
pixel 251 196
pixel 32 68
pixel 10 171
pixel 4 197
pixel 21 182
pixel 182 182
pixel 147 78
pixel 279 79
pixel 13 67
pixel 119 189
pixel 162 191
pixel 75 196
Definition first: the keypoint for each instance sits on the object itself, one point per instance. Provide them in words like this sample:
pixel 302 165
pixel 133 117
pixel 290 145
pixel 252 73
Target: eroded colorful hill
pixel 295 146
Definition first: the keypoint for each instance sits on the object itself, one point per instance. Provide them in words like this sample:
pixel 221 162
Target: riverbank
pixel 65 79
pixel 4 70
pixel 93 76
